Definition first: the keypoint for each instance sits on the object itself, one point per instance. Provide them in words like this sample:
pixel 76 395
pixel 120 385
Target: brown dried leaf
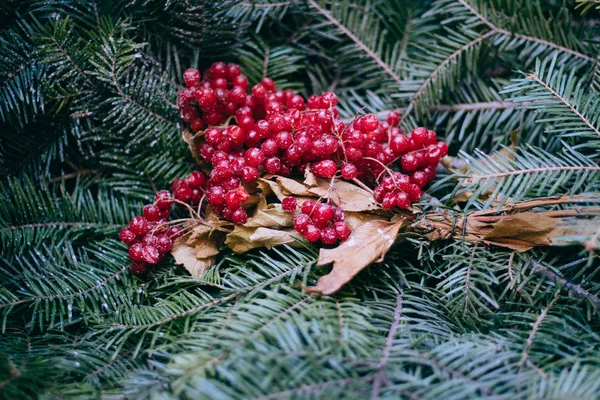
pixel 244 239
pixel 186 256
pixel 345 195
pixel 270 216
pixel 522 231
pixel 366 244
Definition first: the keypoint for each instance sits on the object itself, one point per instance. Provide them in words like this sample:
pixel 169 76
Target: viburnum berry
pixel 216 195
pixel 289 204
pixel 342 230
pixel 308 206
pixel 152 213
pixel 137 267
pixel 139 226
pixel 163 243
pixel 136 252
pixel 324 168
pixel 239 216
pixel 393 118
pixel 301 222
pixel 191 76
pixel 322 214
pixel 328 236
pixel 127 236
pixel 232 200
pixel 312 233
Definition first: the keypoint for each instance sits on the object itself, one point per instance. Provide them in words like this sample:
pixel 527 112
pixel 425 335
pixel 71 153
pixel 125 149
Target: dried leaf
pixel 186 256
pixel 244 239
pixel 271 216
pixel 345 195
pixel 522 231
pixel 367 244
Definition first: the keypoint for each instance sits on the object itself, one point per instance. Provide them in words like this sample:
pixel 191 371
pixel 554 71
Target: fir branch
pixel 534 329
pixel 372 54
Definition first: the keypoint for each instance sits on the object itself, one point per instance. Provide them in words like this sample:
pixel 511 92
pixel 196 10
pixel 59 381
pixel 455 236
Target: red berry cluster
pixel 318 221
pixel 148 236
pixel 270 131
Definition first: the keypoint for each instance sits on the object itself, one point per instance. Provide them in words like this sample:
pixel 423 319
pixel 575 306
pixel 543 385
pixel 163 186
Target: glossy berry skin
pixel 150 255
pixel 312 233
pixel 139 226
pixel 328 236
pixel 136 252
pixel 409 162
pixel 191 77
pixel 272 165
pixel 322 214
pixel 308 206
pixel 289 204
pixel 239 216
pixel 402 200
pixel 174 233
pixel 137 267
pixel 349 171
pixel 232 200
pixel 301 222
pixel 324 169
pixel 216 195
pixel 342 230
pixel 254 157
pixel 415 193
pixel 163 199
pixel 163 244
pixel 151 213
pixel 393 119
pixel 127 236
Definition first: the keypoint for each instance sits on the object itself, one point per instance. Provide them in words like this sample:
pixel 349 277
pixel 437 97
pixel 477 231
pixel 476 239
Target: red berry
pixel 338 214
pixel 254 157
pixel 138 267
pixel 127 236
pixel 232 200
pixel 342 230
pixel 419 178
pixel 414 193
pixel 308 206
pixel 183 192
pixel 433 155
pixel 322 214
pixel 242 194
pixel 379 193
pixel 289 204
pixel 136 252
pixel 268 84
pixel 419 136
pixel 196 179
pixel 250 174
pixel 206 98
pixel 402 200
pixel 151 213
pixel 399 144
pixel 272 165
pixel 269 147
pixel 431 137
pixel 216 195
pixel 368 123
pixel 301 222
pixel 139 226
pixel 284 139
pixel 329 99
pixel 393 118
pixel 163 243
pixel 189 113
pixel 409 162
pixel 149 240
pixel 443 148
pixel 191 76
pixel 150 255
pixel 389 200
pixel 197 125
pixel 328 236
pixel 233 70
pixel 312 233
pixel 324 169
pixel 239 216
pixel 218 70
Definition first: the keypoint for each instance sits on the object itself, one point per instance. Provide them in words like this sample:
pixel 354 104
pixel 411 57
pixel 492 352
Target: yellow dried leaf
pixel 522 231
pixel 345 195
pixel 243 239
pixel 186 256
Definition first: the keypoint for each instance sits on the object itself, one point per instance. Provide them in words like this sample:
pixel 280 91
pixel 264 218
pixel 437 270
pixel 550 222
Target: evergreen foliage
pixel 89 130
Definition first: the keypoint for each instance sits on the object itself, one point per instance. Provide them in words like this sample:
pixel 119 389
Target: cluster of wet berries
pixel 270 131
pixel 149 237
pixel 318 221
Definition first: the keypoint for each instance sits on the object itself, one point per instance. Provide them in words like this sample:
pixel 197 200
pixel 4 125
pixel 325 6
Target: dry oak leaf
pixel 270 216
pixel 366 244
pixel 244 239
pixel 187 255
